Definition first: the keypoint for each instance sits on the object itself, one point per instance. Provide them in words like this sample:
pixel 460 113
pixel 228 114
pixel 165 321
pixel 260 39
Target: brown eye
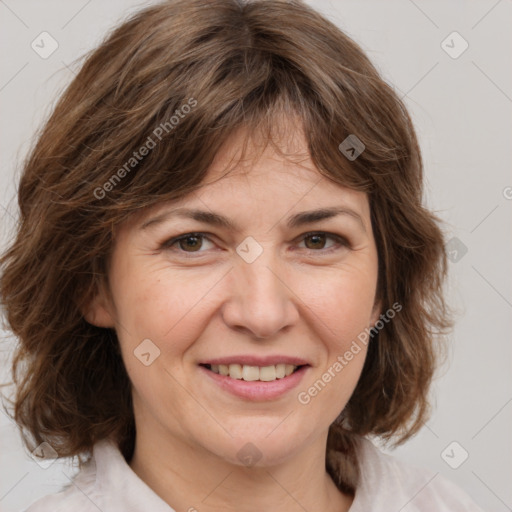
pixel 188 244
pixel 193 242
pixel 317 241
pixel 321 242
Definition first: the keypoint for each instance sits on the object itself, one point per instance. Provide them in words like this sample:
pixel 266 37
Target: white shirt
pixel 107 484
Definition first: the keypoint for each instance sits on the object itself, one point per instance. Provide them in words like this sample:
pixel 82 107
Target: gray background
pixel 461 108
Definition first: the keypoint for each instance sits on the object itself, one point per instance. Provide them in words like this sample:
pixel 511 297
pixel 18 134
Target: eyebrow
pixel 216 219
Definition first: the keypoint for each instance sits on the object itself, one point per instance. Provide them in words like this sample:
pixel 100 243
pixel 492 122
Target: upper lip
pixel 251 360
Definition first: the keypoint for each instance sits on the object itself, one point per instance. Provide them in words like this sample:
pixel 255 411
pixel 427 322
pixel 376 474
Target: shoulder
pixel 105 482
pixel 388 482
pixel 75 495
pixel 81 493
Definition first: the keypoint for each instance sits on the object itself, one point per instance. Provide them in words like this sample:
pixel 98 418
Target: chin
pixel 263 446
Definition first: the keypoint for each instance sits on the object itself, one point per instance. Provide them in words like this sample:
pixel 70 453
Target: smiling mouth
pixel 254 373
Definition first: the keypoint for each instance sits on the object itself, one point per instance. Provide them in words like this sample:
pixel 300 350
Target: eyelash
pixel 342 242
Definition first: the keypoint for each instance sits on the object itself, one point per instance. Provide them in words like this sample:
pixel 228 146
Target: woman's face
pixel 258 293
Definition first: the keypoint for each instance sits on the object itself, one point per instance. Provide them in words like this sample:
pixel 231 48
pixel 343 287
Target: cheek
pixel 163 305
pixel 340 309
pixel 342 302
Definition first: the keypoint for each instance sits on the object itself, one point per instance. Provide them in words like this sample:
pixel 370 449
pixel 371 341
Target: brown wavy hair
pixel 240 64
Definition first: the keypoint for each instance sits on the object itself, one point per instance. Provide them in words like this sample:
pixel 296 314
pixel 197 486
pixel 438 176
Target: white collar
pixel 386 483
pixel 120 488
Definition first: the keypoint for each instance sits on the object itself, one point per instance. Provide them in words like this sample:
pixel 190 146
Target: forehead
pixel 272 174
pixel 257 170
pixel 246 149
pixel 280 164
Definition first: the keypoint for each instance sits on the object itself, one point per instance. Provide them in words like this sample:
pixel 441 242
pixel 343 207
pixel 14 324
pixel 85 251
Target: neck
pixel 193 479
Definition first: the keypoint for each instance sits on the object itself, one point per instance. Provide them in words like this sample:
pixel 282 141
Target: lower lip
pixel 257 390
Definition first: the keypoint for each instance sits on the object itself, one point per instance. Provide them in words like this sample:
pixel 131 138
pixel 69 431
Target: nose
pixel 260 301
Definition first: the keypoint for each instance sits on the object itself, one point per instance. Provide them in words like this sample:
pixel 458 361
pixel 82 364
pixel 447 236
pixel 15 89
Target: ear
pixel 99 312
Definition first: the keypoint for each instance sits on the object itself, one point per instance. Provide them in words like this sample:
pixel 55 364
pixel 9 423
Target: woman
pixel 224 279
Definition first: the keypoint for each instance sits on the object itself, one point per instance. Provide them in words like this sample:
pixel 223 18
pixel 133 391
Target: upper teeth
pixel 250 373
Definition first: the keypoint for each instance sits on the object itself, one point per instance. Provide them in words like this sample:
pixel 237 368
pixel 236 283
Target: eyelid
pixel 341 240
pixel 169 242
